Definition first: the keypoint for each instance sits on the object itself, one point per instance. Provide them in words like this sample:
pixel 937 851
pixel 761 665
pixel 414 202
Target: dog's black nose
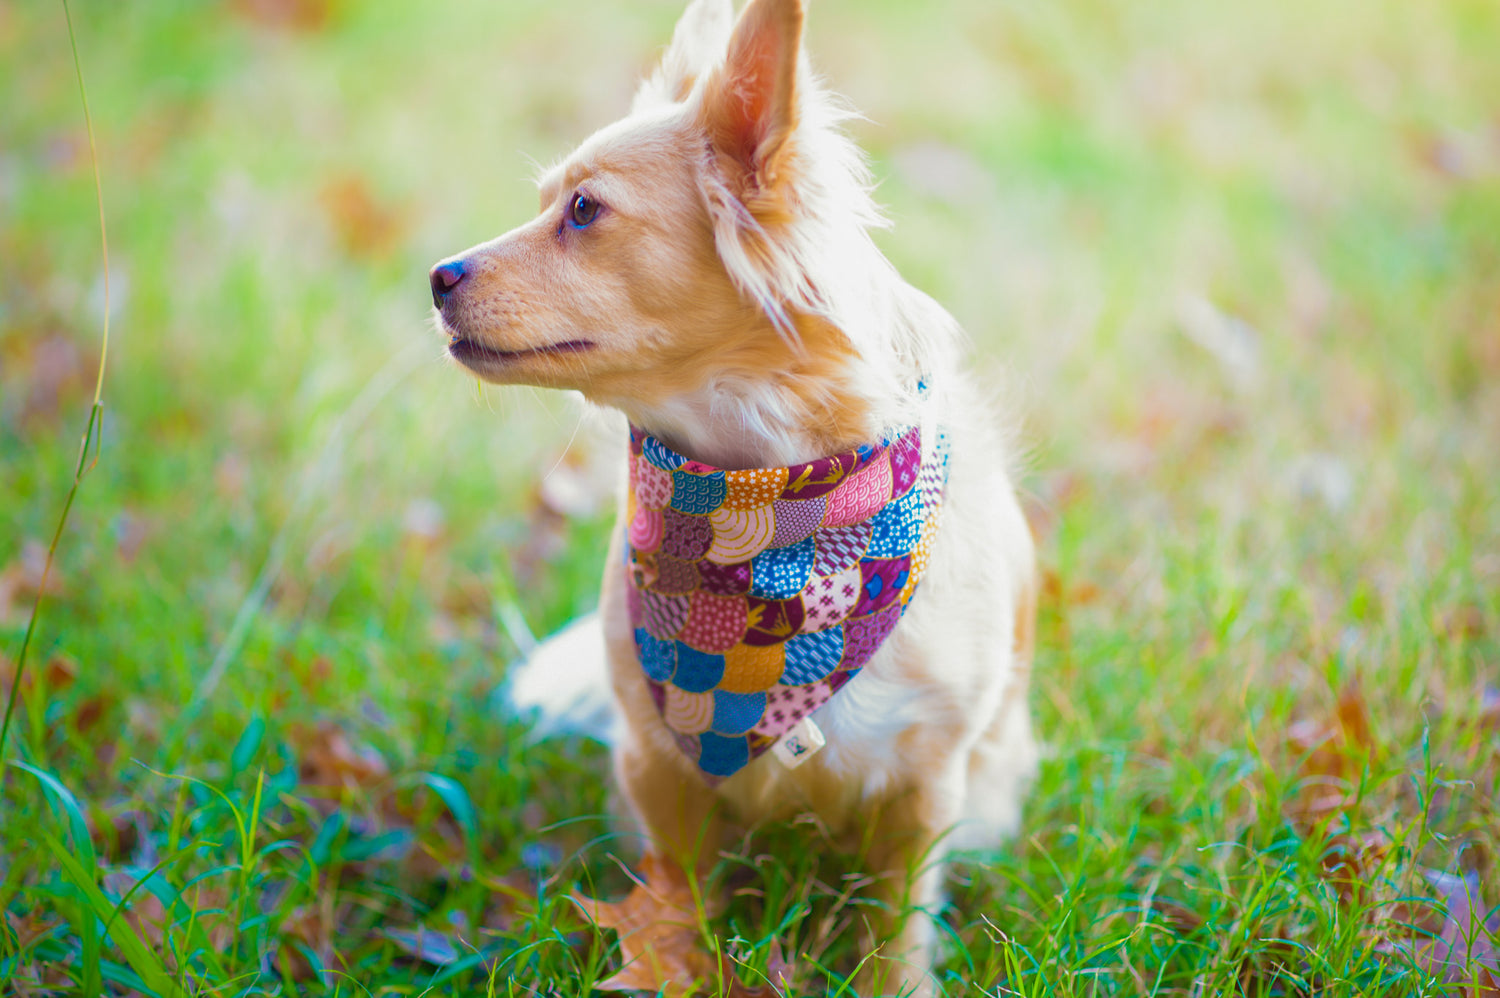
pixel 445 277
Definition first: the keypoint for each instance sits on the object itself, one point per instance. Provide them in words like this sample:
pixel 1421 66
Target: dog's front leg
pixel 905 854
pixel 678 813
pixel 675 808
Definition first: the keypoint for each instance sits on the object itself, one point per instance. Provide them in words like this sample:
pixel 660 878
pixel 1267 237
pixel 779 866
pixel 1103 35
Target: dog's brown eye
pixel 583 211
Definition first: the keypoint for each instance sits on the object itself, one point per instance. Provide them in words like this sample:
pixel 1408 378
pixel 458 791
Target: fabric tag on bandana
pixel 799 744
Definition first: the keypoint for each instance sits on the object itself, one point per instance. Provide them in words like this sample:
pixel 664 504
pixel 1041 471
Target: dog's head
pixel 702 260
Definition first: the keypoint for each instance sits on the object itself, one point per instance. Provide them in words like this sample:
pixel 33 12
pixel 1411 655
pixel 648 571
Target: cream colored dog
pixel 704 266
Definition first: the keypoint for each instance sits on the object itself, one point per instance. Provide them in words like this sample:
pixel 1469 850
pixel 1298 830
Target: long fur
pixel 730 300
pixel 817 257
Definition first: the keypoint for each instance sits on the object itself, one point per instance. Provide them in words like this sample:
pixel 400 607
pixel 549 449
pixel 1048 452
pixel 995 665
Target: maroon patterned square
pixel 820 477
pixel 796 519
pixel 676 575
pixel 906 462
pixel 864 635
pixel 773 621
pixel 685 536
pixel 725 580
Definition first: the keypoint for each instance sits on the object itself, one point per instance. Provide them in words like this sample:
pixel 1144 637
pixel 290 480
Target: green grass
pixel 1229 543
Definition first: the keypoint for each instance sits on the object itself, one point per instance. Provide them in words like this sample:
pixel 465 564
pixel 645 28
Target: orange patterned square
pixel 751 489
pixel 751 669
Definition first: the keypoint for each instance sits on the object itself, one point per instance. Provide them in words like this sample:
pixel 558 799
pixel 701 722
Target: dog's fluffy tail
pixel 564 684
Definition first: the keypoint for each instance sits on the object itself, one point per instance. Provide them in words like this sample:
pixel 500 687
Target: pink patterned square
pixel 827 599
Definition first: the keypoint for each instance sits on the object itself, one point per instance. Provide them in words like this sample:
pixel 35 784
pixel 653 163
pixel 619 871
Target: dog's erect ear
pixel 697 44
pixel 750 103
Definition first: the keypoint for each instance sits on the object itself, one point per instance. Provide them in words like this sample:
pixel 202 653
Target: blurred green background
pixel 1234 269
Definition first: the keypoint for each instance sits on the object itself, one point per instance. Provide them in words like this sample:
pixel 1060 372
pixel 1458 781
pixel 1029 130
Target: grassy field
pixel 1235 267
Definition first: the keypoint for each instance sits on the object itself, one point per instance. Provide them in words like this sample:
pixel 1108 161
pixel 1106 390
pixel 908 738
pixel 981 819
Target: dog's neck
pixel 734 427
pixel 767 402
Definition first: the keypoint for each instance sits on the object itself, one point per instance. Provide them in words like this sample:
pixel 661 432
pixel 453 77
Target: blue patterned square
pixel 658 658
pixel 897 527
pixel 697 495
pixel 723 756
pixel 737 713
pixel 660 456
pixel 697 671
pixel 780 573
pixel 810 657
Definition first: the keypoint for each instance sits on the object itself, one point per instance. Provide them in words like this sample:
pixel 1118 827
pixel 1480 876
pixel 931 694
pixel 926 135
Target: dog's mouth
pixel 478 356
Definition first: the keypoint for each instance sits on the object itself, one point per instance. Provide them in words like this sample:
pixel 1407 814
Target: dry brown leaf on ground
pixel 1354 722
pixel 1063 594
pixel 60 672
pixel 57 675
pixel 1350 860
pixel 467 597
pixel 80 716
pixel 1333 753
pixel 24 930
pixel 1460 623
pixel 31 976
pixel 328 759
pixel 312 676
pixel 1465 950
pixel 55 370
pixel 438 850
pixel 428 945
pixel 88 714
pixel 152 921
pixel 1179 917
pixel 438 853
pixel 307 928
pixel 661 946
pixel 1489 708
pixel 778 977
pixel 335 770
pixel 509 895
pixel 21 582
pixel 116 834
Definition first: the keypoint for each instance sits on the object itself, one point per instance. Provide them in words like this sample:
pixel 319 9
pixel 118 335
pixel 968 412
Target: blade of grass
pixel 248 745
pixel 181 913
pixel 140 957
pixel 64 801
pixel 96 908
pixel 96 411
pixel 456 799
pixel 78 830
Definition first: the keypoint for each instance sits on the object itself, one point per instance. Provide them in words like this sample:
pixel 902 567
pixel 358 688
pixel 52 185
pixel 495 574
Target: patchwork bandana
pixel 756 595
